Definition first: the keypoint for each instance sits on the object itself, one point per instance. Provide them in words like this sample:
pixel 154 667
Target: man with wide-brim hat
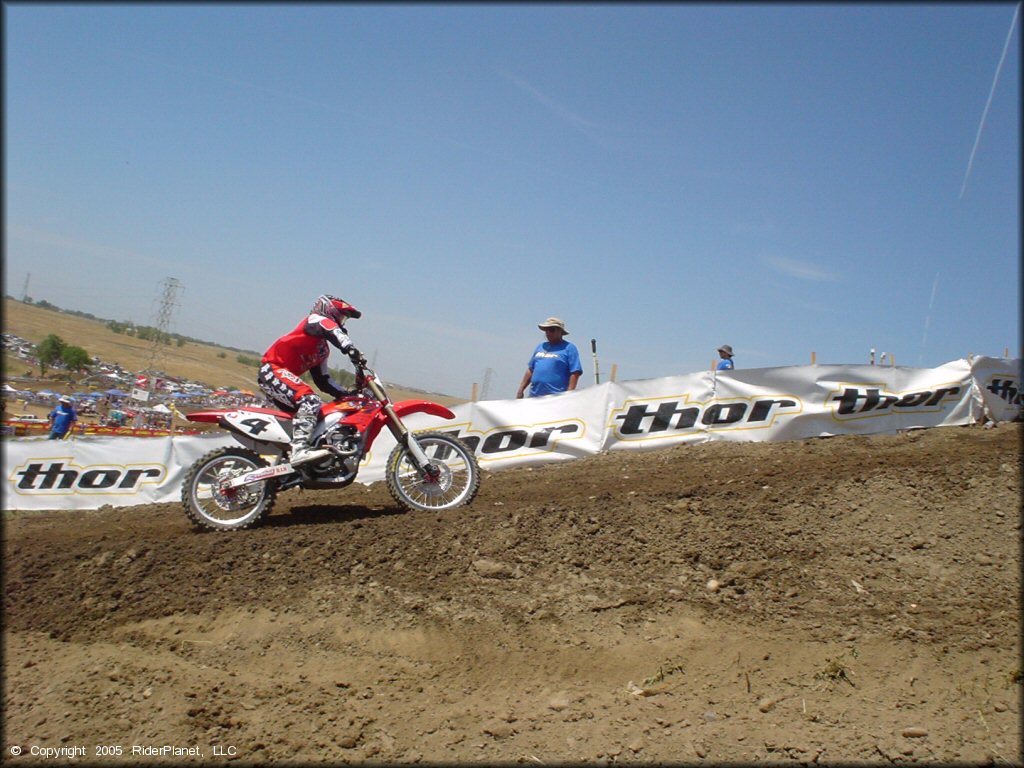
pixel 555 364
pixel 725 352
pixel 62 418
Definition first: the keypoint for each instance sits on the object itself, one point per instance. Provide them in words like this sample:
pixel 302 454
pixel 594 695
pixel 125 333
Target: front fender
pixel 402 409
pixel 405 407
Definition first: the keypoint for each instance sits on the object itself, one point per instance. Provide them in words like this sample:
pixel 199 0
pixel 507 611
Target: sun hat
pixel 553 322
pixel 726 348
pixel 64 399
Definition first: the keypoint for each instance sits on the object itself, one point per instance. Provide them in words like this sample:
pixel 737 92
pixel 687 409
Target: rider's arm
pixel 322 378
pixel 325 328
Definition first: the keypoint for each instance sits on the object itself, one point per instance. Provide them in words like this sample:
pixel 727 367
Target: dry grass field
pixel 208 364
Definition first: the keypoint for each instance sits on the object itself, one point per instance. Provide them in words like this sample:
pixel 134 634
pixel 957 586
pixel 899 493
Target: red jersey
pixel 305 347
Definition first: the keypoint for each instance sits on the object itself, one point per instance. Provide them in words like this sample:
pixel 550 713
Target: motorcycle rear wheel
pixel 210 507
pixel 456 485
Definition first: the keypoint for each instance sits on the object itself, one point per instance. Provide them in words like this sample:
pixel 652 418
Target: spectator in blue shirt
pixel 725 364
pixel 555 364
pixel 62 419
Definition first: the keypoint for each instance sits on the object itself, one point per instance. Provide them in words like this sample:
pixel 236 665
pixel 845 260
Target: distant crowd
pixel 112 396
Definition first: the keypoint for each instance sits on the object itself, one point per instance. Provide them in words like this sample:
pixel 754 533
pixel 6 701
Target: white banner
pixel 88 472
pixel 761 404
pixel 751 405
pixel 996 383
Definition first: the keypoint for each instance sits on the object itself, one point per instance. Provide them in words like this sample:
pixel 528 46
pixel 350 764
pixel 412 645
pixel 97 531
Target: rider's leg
pixel 303 424
pixel 288 391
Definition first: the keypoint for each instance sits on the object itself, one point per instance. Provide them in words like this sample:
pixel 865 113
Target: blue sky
pixel 786 179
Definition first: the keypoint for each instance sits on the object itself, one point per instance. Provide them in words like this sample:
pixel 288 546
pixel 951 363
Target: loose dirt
pixel 850 599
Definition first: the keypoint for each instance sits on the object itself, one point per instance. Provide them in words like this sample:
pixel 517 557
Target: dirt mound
pixel 843 599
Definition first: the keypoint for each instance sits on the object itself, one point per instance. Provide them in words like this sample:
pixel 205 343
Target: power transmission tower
pixel 168 301
pixel 487 383
pixel 24 291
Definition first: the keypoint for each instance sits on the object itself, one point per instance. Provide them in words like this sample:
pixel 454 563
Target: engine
pixel 340 468
pixel 343 438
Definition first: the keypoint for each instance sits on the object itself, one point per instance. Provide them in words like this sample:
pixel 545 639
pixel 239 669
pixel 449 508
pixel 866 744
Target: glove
pixel 356 357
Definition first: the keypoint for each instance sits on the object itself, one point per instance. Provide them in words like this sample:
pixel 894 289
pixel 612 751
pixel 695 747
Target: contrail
pixel 984 114
pixel 928 318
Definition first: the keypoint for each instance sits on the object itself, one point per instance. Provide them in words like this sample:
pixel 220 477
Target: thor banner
pixel 789 403
pixel 89 472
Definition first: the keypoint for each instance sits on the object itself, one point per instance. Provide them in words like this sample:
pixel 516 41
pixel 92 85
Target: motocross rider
pixel 305 349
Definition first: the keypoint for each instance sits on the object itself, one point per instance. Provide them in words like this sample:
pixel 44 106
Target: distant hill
pixel 204 362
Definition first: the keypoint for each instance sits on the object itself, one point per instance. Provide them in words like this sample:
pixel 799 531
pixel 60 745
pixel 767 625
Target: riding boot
pixel 302 429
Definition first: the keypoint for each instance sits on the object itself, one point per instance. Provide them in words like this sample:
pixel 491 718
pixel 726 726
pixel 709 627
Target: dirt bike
pixel 232 488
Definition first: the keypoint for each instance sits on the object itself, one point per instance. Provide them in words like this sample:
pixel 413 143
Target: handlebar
pixel 366 378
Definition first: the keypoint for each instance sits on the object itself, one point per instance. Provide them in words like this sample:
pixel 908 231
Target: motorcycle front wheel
pixel 210 505
pixel 453 481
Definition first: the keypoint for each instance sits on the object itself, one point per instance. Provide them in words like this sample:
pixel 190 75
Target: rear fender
pixel 214 417
pixel 250 425
pixel 208 417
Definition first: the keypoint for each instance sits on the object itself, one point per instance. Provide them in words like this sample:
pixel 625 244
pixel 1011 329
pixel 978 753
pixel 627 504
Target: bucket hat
pixel 553 322
pixel 726 349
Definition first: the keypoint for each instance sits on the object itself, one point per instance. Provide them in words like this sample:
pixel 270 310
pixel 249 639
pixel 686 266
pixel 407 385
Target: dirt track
pixel 867 608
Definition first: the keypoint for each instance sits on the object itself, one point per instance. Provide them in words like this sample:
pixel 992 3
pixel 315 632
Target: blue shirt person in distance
pixel 62 419
pixel 555 364
pixel 725 364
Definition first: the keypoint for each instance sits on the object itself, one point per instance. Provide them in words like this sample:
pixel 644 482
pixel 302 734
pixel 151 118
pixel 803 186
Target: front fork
pixel 404 436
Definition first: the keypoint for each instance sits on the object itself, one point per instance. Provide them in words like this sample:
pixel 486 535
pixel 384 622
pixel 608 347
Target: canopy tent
pixel 117 392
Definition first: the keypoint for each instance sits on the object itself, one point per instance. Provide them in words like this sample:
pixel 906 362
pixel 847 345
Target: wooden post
pixel 814 357
pixel 615 367
pixel 472 397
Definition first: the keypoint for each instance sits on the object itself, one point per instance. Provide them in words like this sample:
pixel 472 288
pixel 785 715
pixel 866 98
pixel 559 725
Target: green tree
pixel 76 358
pixel 49 351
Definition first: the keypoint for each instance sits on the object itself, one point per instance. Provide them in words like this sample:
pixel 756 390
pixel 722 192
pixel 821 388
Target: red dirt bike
pixel 232 488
